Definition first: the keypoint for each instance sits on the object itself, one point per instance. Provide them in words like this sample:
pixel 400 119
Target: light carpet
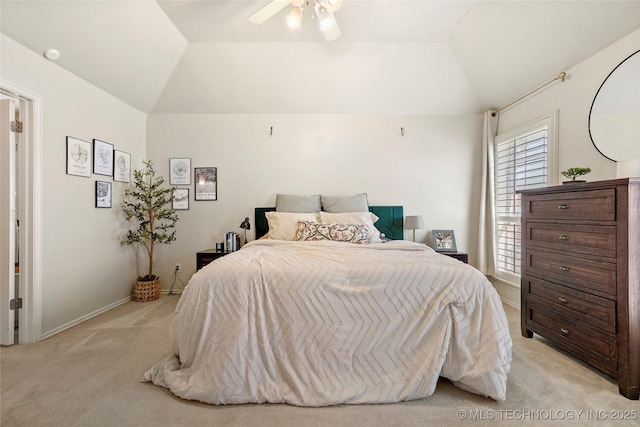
pixel 89 376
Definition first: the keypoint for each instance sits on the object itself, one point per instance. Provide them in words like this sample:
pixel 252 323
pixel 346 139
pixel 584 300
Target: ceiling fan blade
pixel 268 11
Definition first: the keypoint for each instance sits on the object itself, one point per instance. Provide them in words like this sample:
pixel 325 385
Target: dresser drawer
pixel 593 205
pixel 582 239
pixel 591 309
pixel 580 273
pixel 591 345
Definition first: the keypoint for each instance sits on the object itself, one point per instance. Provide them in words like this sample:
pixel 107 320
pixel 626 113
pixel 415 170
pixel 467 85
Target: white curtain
pixel 486 229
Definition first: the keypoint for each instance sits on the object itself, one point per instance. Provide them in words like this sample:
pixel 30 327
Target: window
pixel 524 158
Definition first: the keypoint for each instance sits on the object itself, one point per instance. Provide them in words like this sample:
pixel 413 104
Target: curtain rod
pixel 560 76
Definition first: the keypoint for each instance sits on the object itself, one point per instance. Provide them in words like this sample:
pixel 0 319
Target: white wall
pixel 84 268
pixel 432 171
pixel 573 99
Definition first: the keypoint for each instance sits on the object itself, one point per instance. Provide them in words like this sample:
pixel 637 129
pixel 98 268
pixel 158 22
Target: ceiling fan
pixel 323 11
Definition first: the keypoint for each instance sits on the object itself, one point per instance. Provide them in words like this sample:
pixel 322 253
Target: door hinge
pixel 15 304
pixel 16 126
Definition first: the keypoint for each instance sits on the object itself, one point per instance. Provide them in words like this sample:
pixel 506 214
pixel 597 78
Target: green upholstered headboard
pixel 391 222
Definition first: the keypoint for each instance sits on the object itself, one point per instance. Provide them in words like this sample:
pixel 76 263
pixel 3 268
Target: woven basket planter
pixel 146 291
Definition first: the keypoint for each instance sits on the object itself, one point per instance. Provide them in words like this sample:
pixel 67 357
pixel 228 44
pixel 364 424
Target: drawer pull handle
pixel 563 300
pixel 563 207
pixel 563 237
pixel 564 268
pixel 565 331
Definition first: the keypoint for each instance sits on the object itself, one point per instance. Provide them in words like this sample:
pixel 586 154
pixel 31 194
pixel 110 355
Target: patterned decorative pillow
pixel 352 233
pixel 364 218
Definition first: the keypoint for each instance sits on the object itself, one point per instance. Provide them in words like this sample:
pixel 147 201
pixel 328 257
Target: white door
pixel 7 221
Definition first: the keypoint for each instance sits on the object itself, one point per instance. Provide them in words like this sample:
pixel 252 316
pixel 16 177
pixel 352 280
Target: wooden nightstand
pixel 205 257
pixel 460 256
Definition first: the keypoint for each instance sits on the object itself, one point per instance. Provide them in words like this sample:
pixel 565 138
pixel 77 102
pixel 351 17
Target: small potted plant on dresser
pixel 148 203
pixel 573 173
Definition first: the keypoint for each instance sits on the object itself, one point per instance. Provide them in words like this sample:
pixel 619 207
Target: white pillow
pixel 284 225
pixel 365 218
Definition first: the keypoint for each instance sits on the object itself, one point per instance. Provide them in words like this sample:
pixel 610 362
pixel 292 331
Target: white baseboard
pixel 509 293
pixel 84 318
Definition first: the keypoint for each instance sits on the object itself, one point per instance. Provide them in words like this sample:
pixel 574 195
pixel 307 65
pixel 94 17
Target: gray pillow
pixel 340 204
pixel 297 204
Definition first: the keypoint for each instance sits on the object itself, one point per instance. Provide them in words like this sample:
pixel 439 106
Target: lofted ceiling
pixel 394 56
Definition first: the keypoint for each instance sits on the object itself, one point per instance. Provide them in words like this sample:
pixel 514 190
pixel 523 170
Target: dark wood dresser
pixel 581 273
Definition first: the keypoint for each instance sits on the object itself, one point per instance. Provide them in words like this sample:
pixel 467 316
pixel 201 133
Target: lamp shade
pixel 327 22
pixel 413 222
pixel 334 5
pixel 246 224
pixel 295 17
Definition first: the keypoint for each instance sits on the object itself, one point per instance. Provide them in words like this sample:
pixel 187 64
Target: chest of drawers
pixel 581 273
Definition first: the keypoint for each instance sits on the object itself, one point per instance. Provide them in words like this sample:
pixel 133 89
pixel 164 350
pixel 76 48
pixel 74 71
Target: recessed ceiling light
pixel 52 54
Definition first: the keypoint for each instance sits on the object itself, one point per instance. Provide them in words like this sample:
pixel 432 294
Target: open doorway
pixel 22 246
pixel 9 280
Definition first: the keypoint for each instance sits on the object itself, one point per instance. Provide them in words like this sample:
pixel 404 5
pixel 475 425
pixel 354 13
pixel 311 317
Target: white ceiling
pixel 394 56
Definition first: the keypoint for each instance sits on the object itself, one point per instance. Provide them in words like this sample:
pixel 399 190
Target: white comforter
pixel 324 323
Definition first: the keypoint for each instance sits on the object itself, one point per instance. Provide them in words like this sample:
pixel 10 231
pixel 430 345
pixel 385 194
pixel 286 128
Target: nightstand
pixel 205 257
pixel 460 256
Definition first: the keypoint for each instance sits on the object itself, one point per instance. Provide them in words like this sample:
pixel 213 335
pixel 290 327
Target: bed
pixel 317 323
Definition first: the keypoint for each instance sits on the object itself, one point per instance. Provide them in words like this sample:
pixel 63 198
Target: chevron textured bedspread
pixel 325 323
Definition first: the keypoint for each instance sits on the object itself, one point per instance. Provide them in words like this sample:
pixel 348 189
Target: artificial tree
pixel 573 173
pixel 148 202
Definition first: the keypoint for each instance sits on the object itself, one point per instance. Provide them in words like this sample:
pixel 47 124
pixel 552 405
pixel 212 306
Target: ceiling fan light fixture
pixel 323 12
pixel 295 17
pixel 334 5
pixel 326 20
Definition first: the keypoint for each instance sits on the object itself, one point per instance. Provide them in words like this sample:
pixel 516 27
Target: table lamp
pixel 246 225
pixel 414 223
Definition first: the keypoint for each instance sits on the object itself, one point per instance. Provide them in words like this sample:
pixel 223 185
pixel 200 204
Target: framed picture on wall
pixel 180 171
pixel 180 199
pixel 121 166
pixel 78 157
pixel 444 240
pixel 103 194
pixel 206 183
pixel 102 158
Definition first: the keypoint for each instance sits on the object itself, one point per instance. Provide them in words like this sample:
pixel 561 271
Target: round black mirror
pixel 614 119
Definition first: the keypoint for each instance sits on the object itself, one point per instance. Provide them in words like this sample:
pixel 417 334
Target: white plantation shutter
pixel 524 159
